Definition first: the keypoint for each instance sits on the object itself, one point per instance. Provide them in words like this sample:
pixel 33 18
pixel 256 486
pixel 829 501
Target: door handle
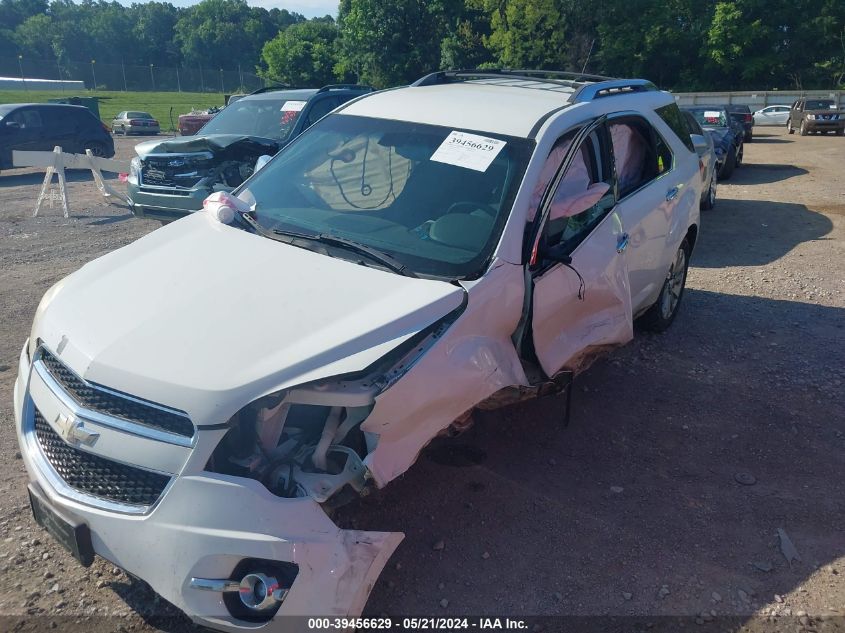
pixel 622 244
pixel 671 194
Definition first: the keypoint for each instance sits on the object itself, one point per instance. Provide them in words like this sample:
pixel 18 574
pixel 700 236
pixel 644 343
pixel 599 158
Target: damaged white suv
pixel 192 406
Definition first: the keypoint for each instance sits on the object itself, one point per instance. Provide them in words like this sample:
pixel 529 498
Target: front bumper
pixel 204 524
pixel 146 202
pixel 822 125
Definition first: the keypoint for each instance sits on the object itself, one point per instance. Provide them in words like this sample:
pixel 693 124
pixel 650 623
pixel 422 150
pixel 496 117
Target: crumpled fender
pixel 474 359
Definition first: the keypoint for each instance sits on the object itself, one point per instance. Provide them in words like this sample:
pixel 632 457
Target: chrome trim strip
pixel 215 584
pixel 110 421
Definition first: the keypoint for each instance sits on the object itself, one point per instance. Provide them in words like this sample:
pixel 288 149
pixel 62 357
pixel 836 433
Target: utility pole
pixel 202 85
pixel 23 79
pixel 178 82
pixel 240 76
pixel 221 81
pixel 123 69
pixel 152 78
pixel 93 74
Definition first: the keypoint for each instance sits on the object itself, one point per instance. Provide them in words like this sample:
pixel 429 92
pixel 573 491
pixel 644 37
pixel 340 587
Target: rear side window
pixel 671 115
pixel 28 118
pixel 320 109
pixel 640 153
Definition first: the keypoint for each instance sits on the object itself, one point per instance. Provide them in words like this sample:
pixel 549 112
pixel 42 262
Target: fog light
pixel 260 592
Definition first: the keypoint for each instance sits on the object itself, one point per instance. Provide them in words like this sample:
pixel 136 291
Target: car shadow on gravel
pixel 763 138
pixel 758 232
pixel 764 174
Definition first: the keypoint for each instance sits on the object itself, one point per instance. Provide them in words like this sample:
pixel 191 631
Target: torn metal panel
pixel 474 359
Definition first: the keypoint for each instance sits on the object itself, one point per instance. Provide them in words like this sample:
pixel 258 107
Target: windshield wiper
pixel 356 247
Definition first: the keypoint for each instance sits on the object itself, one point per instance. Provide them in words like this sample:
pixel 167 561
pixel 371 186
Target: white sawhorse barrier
pixel 57 161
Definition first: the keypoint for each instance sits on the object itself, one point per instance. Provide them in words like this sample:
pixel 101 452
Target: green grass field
pixel 156 103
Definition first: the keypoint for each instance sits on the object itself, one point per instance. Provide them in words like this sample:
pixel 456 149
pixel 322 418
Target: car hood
pixel 214 143
pixel 205 318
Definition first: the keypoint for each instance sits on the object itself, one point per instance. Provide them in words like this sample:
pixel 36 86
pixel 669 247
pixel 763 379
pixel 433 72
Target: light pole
pixel 178 82
pixel 23 80
pixel 123 70
pixel 221 81
pixel 152 77
pixel 93 74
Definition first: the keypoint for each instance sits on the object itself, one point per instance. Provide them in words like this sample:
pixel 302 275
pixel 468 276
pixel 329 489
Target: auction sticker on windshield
pixel 293 106
pixel 468 150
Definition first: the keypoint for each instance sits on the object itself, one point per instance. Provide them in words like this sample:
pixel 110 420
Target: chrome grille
pixel 113 403
pixel 176 170
pixel 97 476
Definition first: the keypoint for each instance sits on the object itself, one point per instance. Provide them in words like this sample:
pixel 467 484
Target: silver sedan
pixel 772 115
pixel 134 122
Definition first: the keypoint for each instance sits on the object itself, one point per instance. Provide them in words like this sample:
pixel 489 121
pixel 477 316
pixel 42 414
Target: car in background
pixel 707 161
pixel 812 116
pixel 134 122
pixel 170 179
pixel 192 122
pixel 43 126
pixel 772 115
pixel 727 135
pixel 742 115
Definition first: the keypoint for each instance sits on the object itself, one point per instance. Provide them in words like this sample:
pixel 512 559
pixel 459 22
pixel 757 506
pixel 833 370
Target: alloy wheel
pixel 674 285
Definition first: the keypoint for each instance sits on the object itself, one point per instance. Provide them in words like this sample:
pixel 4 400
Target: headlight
pixel 135 170
pixel 811 117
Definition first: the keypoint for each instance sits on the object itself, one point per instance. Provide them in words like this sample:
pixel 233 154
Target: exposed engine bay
pixel 218 163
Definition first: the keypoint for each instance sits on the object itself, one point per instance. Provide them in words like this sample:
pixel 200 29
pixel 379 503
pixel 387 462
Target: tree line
pixel 679 44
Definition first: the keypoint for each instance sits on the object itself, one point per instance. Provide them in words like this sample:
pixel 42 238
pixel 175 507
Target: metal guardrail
pixel 758 98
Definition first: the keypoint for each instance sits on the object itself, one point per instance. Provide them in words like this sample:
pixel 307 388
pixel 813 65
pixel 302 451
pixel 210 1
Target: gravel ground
pixel 639 508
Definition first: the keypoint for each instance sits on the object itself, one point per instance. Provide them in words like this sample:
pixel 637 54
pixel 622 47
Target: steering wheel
pixel 467 207
pixel 310 196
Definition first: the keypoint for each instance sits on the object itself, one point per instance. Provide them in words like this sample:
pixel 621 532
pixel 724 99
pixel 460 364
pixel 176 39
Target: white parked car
pixel 772 115
pixel 191 407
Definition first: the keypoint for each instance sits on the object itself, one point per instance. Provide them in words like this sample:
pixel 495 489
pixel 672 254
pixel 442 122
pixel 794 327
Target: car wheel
pixel 728 165
pixel 803 129
pixel 749 137
pixel 710 199
pixel 97 149
pixel 789 127
pixel 660 316
pixel 740 155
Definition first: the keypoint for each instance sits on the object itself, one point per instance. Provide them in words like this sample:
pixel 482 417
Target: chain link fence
pixel 110 76
pixel 758 98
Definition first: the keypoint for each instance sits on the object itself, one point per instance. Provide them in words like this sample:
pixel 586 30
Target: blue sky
pixel 308 8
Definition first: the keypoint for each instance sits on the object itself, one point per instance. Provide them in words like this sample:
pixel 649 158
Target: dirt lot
pixel 636 509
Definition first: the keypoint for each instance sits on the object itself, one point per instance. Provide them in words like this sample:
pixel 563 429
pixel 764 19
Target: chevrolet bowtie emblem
pixel 74 432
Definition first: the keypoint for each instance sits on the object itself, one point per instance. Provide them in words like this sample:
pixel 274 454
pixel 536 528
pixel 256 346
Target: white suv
pixel 192 407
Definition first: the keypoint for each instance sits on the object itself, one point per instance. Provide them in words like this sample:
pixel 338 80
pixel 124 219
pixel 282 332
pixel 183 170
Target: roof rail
pixel 346 87
pixel 270 89
pixel 589 92
pixel 559 77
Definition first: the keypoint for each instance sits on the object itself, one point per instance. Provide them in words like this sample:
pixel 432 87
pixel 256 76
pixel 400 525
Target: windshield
pixel 709 117
pixel 433 198
pixel 269 118
pixel 819 104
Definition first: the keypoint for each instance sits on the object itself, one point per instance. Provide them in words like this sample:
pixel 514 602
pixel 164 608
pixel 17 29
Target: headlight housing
pixel 135 170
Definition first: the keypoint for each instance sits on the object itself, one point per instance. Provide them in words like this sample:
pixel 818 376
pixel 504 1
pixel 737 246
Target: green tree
pixel 529 33
pixel 389 42
pixel 304 54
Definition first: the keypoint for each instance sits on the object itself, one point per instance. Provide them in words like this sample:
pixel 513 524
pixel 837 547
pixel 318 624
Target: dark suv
pixel 815 115
pixel 742 115
pixel 170 179
pixel 42 126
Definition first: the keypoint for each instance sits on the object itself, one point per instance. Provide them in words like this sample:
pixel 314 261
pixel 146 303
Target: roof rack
pixel 589 92
pixel 270 89
pixel 585 87
pixel 346 87
pixel 559 77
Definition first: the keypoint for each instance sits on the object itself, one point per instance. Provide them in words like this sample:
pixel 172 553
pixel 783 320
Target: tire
pixel 803 129
pixel 659 317
pixel 789 127
pixel 740 156
pixel 98 149
pixel 728 166
pixel 749 137
pixel 710 199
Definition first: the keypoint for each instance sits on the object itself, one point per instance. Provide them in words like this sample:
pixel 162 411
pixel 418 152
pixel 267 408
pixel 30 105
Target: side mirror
pixel 700 143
